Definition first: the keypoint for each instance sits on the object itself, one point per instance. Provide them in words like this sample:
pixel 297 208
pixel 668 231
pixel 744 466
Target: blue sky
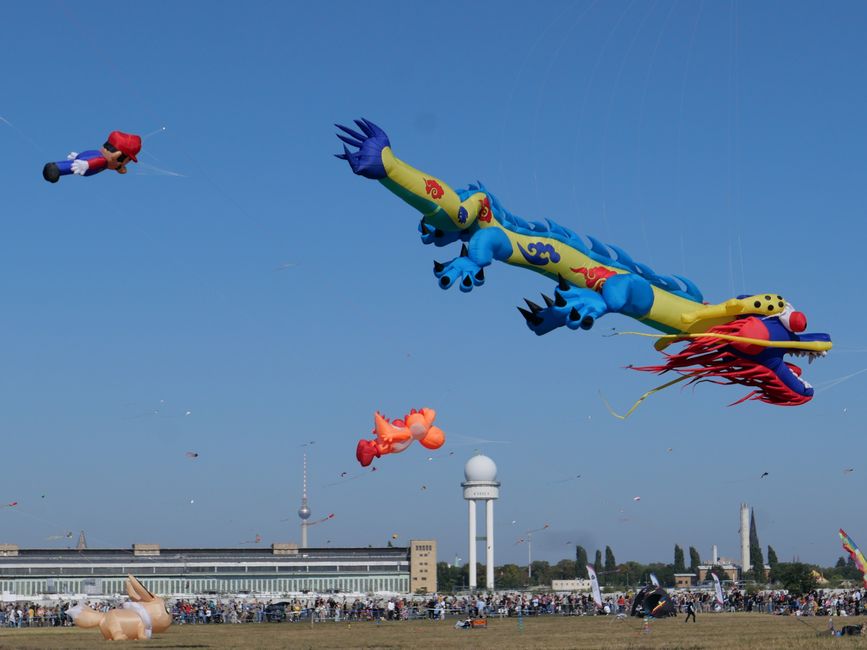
pixel 242 274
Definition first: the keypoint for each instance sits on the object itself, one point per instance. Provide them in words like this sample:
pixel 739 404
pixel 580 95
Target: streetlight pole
pixel 529 556
pixel 529 535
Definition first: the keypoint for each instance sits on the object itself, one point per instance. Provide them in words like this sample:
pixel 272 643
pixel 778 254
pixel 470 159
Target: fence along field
pixel 717 631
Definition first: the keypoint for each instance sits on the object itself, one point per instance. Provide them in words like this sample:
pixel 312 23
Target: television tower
pixel 304 510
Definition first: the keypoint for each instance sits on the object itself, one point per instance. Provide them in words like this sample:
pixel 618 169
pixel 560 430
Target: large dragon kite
pixel 740 341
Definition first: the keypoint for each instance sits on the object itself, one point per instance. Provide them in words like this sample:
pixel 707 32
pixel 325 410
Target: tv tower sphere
pixel 304 512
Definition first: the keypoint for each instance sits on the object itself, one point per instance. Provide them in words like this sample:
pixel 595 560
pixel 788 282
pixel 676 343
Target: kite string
pixel 831 383
pixel 517 78
pixel 24 135
pixel 639 144
pixel 577 139
pixel 678 201
pixel 642 398
pixel 540 93
pixel 152 133
pixel 608 110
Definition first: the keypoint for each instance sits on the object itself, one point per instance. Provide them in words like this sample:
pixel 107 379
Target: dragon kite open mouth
pixel 750 351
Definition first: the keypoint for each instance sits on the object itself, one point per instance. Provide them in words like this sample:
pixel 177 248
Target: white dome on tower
pixel 480 468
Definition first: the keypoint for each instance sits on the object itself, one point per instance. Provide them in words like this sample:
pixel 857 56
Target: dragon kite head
pixel 751 351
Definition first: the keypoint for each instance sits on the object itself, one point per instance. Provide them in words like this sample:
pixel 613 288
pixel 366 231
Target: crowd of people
pixel 213 610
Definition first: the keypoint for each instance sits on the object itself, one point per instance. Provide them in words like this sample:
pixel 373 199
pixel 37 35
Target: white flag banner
pixel 654 580
pixel 718 589
pixel 594 585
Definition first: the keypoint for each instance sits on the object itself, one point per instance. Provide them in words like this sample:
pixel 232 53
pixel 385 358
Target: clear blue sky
pixel 721 140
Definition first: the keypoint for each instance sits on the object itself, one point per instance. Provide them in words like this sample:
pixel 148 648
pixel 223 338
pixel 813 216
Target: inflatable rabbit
pixel 143 615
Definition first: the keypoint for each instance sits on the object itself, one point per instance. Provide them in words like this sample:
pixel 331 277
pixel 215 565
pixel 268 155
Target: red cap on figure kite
pixel 127 143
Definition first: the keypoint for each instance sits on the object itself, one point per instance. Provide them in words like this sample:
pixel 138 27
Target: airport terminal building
pixel 280 569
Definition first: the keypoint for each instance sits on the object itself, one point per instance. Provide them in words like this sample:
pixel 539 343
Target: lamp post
pixel 529 540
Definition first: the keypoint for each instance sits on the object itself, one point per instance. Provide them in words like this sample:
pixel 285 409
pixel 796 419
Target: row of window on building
pixel 185 585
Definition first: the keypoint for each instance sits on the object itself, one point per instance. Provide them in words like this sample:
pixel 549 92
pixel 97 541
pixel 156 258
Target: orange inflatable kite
pixel 393 436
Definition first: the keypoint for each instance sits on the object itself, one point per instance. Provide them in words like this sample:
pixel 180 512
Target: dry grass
pixel 718 631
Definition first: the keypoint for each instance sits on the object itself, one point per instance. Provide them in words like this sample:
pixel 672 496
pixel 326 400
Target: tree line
pixel 795 576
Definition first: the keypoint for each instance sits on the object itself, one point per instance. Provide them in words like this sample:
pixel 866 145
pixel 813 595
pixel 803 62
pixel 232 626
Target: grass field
pixel 712 631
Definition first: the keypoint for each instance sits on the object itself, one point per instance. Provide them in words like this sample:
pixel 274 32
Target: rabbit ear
pixel 131 592
pixel 137 591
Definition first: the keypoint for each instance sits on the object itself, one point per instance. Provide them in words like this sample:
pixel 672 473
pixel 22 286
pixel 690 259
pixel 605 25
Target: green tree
pixel 511 576
pixel 757 562
pixel 610 562
pixel 597 562
pixel 664 572
pixel 563 570
pixel 679 566
pixel 772 557
pixel 719 571
pixel 449 578
pixel 628 573
pixel 797 577
pixel 444 577
pixel 541 573
pixel 694 561
pixel 581 562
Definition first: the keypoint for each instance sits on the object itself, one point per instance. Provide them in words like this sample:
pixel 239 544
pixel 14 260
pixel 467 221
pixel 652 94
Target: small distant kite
pixel 764 474
pixel 257 540
pixel 321 521
pixel 395 536
pixel 636 498
pixel 424 487
pixel 68 535
pixel 848 470
pixel 345 477
pixel 192 454
pixel 669 449
pixel 11 504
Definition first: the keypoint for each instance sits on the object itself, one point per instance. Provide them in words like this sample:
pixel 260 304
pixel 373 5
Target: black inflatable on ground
pixel 653 601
